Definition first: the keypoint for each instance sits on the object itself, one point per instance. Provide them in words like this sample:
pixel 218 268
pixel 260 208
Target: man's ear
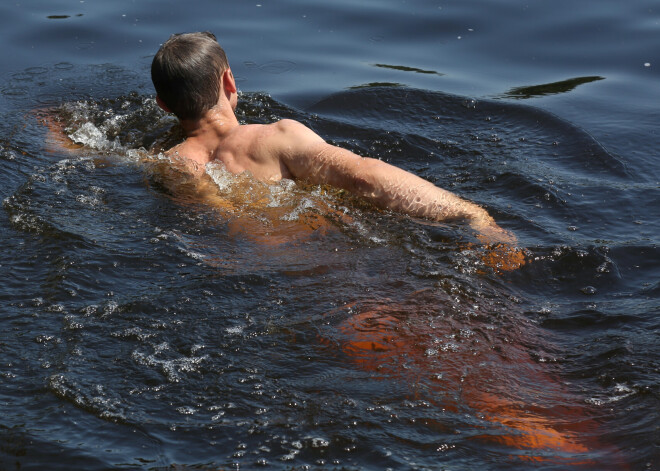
pixel 162 104
pixel 228 82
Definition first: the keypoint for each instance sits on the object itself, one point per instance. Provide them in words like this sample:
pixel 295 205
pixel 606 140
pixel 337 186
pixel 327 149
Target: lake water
pixel 296 327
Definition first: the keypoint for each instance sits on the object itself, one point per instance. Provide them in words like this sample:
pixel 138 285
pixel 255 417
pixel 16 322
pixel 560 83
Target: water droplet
pixel 589 290
pixel 603 268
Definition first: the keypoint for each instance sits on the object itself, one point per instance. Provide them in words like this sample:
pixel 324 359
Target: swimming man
pixel 193 80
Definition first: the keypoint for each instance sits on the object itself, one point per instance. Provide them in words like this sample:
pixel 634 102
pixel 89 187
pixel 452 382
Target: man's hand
pixel 56 141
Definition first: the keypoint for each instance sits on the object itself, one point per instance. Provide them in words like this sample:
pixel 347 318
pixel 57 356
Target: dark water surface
pixel 298 328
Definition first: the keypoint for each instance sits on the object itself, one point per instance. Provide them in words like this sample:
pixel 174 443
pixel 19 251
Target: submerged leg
pixel 502 378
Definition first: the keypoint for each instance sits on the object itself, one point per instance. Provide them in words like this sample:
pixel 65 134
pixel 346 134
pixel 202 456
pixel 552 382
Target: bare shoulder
pixel 288 125
pixel 293 129
pixel 183 158
pixel 295 143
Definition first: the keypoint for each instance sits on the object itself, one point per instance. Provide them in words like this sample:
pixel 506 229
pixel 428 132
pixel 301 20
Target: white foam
pixel 620 391
pixel 91 136
pixel 170 368
pixel 220 176
pixel 236 330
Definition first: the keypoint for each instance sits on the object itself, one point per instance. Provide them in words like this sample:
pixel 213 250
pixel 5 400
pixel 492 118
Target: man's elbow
pixel 365 181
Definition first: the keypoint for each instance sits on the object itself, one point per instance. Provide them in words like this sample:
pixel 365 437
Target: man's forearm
pixel 393 188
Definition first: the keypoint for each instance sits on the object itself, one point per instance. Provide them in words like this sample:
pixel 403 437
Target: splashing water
pixel 288 324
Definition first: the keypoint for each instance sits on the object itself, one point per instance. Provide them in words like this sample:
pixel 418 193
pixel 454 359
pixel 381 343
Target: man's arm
pixel 56 140
pixel 309 157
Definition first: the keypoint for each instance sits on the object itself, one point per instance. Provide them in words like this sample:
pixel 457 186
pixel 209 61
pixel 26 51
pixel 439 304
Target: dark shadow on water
pixel 62 17
pixel 554 88
pixel 404 68
pixel 377 84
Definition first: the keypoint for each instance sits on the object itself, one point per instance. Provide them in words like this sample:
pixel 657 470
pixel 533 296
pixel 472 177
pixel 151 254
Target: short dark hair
pixel 186 72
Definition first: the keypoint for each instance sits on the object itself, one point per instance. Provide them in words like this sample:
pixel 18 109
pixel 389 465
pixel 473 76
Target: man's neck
pixel 204 136
pixel 213 126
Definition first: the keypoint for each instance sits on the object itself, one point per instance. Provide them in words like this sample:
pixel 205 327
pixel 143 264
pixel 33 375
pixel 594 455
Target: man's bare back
pixel 252 148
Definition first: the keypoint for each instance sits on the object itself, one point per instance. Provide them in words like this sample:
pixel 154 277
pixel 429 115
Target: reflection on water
pixel 553 88
pixel 407 69
pixel 377 84
pixel 233 323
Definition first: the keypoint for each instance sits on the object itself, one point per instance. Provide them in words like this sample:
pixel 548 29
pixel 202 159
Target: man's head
pixel 187 73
